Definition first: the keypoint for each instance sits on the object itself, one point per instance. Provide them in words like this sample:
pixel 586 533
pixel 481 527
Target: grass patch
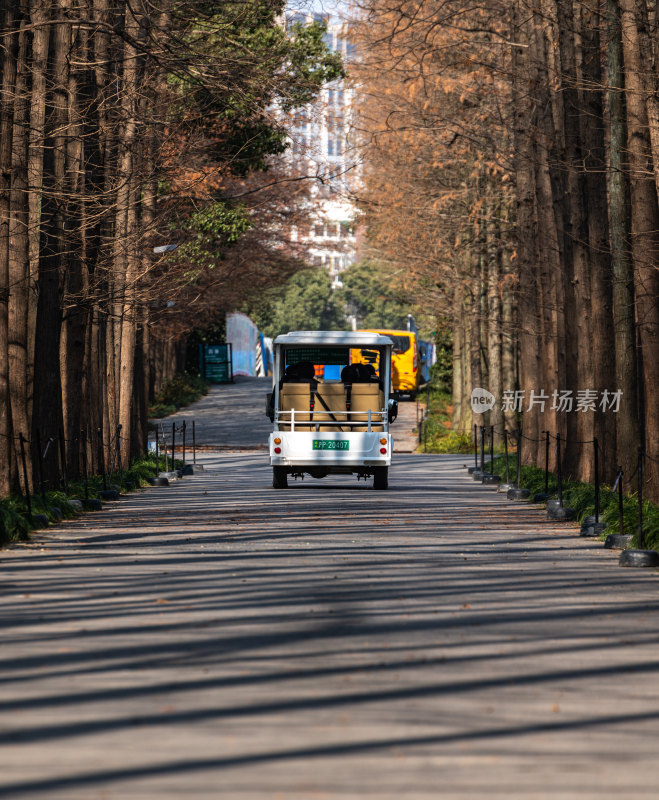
pixel 182 390
pixel 437 435
pixel 581 497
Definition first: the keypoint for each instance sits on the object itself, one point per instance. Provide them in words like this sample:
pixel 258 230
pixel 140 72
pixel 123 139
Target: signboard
pixel 216 362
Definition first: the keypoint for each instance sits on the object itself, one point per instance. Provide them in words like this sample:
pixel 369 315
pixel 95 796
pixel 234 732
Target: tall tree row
pixel 529 135
pixel 126 127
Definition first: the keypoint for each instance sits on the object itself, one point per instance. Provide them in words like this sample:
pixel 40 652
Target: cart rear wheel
pixel 279 478
pixel 380 477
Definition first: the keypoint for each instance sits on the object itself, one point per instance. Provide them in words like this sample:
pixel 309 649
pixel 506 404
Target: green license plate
pixel 331 444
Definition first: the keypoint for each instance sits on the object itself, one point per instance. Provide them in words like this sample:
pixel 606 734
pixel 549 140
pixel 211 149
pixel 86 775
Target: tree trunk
pixel 624 333
pixel 595 165
pixel 47 414
pixel 523 168
pixel 127 260
pixel 578 459
pixel 495 381
pixel 6 122
pixel 19 267
pixel 645 231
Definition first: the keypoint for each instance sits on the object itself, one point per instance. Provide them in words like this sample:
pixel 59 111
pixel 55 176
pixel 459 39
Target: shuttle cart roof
pixel 334 338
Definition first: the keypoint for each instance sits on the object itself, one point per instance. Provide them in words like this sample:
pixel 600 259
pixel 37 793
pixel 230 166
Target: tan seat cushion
pixel 334 396
pixel 295 396
pixel 366 397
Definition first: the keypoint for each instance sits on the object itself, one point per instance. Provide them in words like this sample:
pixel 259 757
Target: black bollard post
pixel 183 443
pixel 555 509
pixel 157 454
pixel 505 448
pixel 516 492
pixel 101 447
pixel 473 469
pixel 164 447
pixel 544 496
pixel 640 498
pixel 597 481
pixel 591 525
pixel 117 445
pixel 479 471
pixel 173 445
pixel 490 479
pixel 483 449
pixel 28 500
pixel 42 486
pixel 62 456
pixel 620 513
pixel 618 541
pixel 559 470
pixel 83 438
pixel 194 443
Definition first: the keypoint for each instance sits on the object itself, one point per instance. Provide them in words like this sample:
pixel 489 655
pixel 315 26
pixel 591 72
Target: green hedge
pixel 182 390
pixel 438 435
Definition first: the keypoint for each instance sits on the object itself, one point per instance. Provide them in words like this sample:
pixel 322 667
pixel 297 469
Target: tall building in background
pixel 320 148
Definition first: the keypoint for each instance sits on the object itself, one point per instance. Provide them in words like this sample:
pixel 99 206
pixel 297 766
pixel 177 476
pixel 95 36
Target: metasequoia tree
pixel 436 194
pixel 124 126
pixel 512 164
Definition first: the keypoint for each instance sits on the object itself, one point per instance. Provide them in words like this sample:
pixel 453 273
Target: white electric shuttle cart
pixel 331 416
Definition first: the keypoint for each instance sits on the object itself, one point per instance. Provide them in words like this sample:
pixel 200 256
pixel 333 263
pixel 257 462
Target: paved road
pixel 232 416
pixel 220 639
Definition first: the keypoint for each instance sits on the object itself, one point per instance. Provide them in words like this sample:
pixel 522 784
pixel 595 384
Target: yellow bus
pixel 405 374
